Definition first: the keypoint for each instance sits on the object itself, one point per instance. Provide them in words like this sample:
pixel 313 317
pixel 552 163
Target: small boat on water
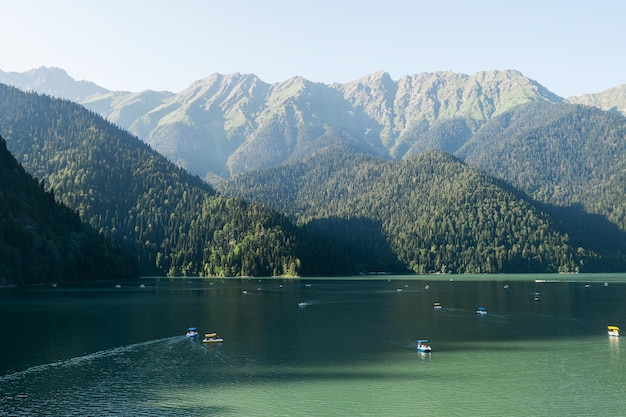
pixel 437 306
pixel 212 338
pixel 613 331
pixel 481 310
pixel 301 304
pixel 423 345
pixel 192 332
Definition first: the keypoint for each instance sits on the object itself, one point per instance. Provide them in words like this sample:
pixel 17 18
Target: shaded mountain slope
pixel 559 154
pixel 172 220
pixel 44 241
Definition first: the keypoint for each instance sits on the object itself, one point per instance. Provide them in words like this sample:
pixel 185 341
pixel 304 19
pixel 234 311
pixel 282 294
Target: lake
pixel 98 350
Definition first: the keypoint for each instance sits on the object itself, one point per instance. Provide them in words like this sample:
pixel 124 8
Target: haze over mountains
pixel 228 124
pixel 441 172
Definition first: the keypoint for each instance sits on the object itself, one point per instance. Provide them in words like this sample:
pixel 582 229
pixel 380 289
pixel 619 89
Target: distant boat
pixel 437 306
pixel 613 331
pixel 537 297
pixel 481 310
pixel 301 304
pixel 212 338
pixel 192 332
pixel 423 345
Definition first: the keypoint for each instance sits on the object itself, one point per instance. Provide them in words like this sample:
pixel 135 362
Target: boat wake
pixel 113 381
pixel 79 360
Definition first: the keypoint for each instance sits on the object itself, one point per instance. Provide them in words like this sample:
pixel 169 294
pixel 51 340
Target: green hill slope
pixel 559 154
pixel 171 220
pixel 44 241
pixel 428 213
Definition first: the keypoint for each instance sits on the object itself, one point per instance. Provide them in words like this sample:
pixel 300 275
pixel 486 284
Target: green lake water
pixel 97 350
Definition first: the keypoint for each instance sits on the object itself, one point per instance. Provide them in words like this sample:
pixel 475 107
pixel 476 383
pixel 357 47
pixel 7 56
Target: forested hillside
pixel 560 154
pixel 44 241
pixel 427 213
pixel 170 219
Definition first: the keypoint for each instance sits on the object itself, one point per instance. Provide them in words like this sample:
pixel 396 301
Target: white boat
pixel 192 332
pixel 423 345
pixel 301 304
pixel 212 338
pixel 613 331
pixel 437 306
pixel 481 310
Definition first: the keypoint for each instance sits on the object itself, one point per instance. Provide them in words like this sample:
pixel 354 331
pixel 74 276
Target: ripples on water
pixel 102 383
pixel 182 377
pixel 349 351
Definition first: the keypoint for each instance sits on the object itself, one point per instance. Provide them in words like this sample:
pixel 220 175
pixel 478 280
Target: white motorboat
pixel 423 345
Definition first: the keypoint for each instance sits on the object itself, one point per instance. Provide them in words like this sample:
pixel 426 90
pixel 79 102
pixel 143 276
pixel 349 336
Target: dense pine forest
pixel 427 213
pixel 44 241
pixel 173 222
pixel 560 154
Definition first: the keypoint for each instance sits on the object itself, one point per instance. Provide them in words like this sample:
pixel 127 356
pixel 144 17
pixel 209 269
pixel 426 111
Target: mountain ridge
pixel 225 124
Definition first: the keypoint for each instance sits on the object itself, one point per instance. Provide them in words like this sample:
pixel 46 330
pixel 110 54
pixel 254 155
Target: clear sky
pixel 572 47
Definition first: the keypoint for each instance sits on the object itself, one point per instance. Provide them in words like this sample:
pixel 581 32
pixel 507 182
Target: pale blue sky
pixel 571 47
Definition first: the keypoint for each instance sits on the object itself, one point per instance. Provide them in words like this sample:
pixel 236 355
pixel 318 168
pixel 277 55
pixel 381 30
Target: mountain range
pixel 228 124
pixel 436 172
